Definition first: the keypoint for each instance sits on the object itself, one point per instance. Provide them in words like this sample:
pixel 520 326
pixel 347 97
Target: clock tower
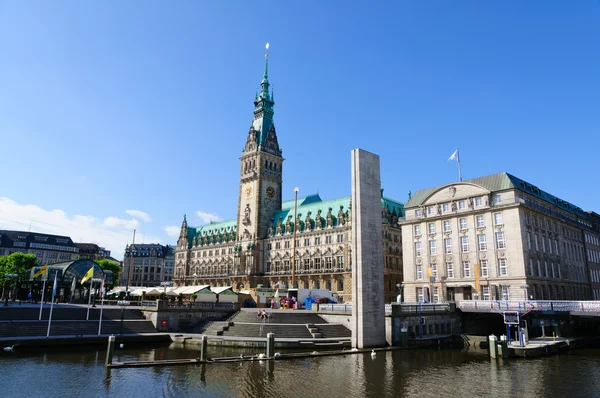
pixel 260 177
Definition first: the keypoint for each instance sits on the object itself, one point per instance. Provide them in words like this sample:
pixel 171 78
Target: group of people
pixel 262 314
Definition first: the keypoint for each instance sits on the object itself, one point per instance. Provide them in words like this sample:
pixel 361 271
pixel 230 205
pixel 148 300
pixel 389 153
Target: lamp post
pixel 294 243
pixel 130 266
pixel 123 304
pixel 195 280
pixel 399 287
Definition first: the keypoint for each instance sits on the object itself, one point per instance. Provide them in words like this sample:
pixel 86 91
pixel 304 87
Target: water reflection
pixel 422 373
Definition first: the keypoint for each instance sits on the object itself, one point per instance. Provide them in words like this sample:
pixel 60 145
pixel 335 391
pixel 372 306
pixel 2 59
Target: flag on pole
pixel 88 275
pixel 102 289
pixel 42 271
pixel 454 155
pixel 54 287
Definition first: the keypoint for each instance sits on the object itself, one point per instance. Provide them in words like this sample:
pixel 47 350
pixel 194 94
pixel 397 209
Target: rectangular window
pixel 434 270
pixel 328 263
pixel 505 293
pixel 432 247
pixel 486 292
pixel 418 251
pixel 466 269
pixel 496 199
pixel 419 272
pixel 481 240
pixel 268 246
pixel 483 269
pixel 539 268
pixel 420 295
pixel 450 270
pixel 287 244
pixel 529 240
pixel 329 239
pixel 463 223
pixel 480 222
pixel 553 271
pixel 543 244
pixel 417 230
pixel 531 267
pixel 317 241
pixel 502 267
pixel 464 243
pixel 317 263
pixel 340 285
pixel 550 245
pixel 498 218
pixel 461 204
pixel 307 242
pixel 306 264
pixel 448 245
pixel 340 238
pixel 478 202
pixel 546 273
pixel 445 207
pixel 340 262
pixel 537 244
pixel 430 210
pixel 431 228
pixel 500 243
pixel 446 226
pixel 436 294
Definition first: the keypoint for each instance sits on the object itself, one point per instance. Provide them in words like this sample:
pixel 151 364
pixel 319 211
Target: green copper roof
pixel 218 229
pixel 501 182
pixel 288 204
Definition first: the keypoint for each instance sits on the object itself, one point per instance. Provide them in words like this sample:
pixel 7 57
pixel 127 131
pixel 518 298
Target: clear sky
pixel 116 114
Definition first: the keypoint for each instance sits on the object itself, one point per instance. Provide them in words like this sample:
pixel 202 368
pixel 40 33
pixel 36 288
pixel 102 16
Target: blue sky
pixel 116 115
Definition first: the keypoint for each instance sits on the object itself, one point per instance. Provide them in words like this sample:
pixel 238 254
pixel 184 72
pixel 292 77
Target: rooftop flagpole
pixel 456 156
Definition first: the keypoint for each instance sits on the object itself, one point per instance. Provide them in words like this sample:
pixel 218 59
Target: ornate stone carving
pixel 340 216
pixel 470 203
pixel 246 220
pixel 452 190
pixel 308 222
pixel 483 256
pixel 318 220
pixel 278 227
pixel 501 254
pixel 288 225
pixel 453 206
pixel 329 219
pixel 465 257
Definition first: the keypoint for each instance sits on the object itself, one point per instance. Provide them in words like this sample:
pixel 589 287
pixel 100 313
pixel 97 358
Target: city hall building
pixel 258 247
pixel 498 238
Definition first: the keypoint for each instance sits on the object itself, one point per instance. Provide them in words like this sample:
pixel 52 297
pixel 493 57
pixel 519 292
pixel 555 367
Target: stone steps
pixel 73 328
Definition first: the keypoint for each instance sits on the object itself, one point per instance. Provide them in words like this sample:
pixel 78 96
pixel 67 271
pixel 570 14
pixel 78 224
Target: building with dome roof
pixel 257 247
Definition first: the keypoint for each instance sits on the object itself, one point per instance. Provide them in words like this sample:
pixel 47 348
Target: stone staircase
pixel 72 328
pixel 15 313
pixel 293 325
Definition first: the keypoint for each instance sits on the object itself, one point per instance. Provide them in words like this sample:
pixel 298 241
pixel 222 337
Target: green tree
pixel 17 263
pixel 108 265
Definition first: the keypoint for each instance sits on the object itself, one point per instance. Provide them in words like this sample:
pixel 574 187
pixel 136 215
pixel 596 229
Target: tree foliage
pixel 16 263
pixel 115 268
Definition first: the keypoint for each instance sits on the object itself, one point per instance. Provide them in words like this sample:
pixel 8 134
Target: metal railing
pixel 346 308
pixel 537 305
pixel 202 304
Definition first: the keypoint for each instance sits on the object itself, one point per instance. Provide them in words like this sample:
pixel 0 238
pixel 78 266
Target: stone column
pixel 368 307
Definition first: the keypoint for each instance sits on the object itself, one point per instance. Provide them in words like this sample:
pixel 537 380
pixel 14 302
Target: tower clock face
pixel 248 192
pixel 270 192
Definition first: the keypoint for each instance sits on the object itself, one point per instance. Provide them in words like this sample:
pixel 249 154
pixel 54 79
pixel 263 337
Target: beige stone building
pixel 257 248
pixel 497 237
pixel 147 264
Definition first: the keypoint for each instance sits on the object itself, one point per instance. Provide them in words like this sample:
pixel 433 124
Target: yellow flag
pixel 88 275
pixel 42 271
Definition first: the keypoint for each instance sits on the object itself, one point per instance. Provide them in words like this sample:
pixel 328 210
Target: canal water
pixel 403 373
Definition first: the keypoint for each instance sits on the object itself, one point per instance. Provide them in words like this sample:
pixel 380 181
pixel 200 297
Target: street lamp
pixel 123 304
pixel 399 287
pixel 294 243
pixel 6 286
pixel 165 285
pixel 195 280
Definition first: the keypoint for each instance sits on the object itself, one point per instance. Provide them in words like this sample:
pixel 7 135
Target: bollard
pixel 493 346
pixel 203 348
pixel 110 350
pixel 270 345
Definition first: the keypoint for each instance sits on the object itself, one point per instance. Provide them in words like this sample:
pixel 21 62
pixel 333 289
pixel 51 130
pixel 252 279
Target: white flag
pixel 454 155
pixel 54 287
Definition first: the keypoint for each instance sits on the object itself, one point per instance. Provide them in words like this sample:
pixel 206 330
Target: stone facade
pixel 152 264
pixel 49 249
pixel 495 237
pixel 258 247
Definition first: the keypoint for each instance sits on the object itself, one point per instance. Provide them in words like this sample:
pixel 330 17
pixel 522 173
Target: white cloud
pixel 207 217
pixel 139 215
pixel 112 233
pixel 172 230
pixel 115 222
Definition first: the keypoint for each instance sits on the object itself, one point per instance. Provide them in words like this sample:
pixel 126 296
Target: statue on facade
pixel 246 220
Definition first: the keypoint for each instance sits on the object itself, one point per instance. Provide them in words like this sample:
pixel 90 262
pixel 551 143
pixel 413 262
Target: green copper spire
pixel 264 93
